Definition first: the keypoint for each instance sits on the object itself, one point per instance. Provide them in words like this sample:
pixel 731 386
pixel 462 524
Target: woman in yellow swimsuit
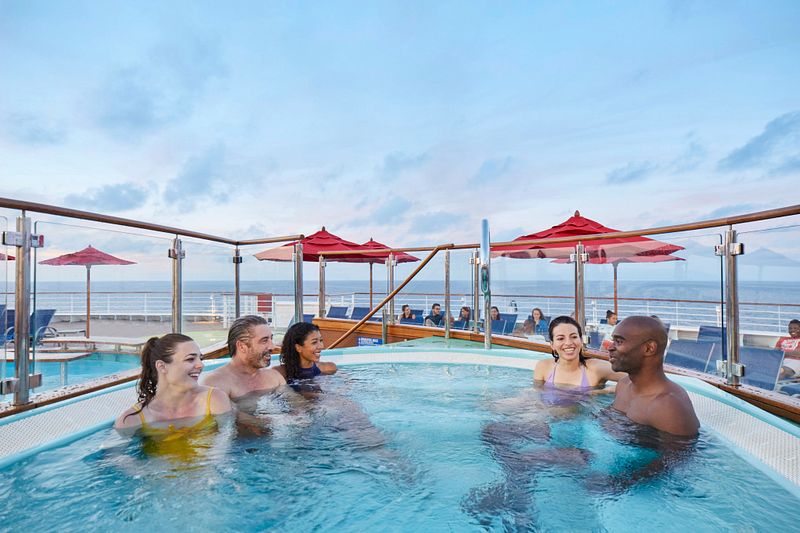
pixel 171 402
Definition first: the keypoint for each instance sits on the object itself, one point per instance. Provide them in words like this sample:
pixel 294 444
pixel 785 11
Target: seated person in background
pixel 169 391
pixel 465 314
pixel 494 313
pixel 611 318
pixel 300 353
pixel 535 324
pixel 405 312
pixel 607 328
pixel 646 395
pixel 791 345
pixel 250 346
pixel 436 317
pixel 569 366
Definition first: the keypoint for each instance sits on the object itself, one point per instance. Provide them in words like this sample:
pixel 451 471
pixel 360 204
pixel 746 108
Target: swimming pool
pixel 403 445
pixel 93 365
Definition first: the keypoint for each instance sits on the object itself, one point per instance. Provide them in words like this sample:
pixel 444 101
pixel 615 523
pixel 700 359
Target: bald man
pixel 647 396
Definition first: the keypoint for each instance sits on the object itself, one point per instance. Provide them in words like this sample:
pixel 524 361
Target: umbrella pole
pixel 370 285
pixel 616 312
pixel 88 298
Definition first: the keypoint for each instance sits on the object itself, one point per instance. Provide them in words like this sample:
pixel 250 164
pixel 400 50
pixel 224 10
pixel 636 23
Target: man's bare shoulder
pixel 273 375
pixel 672 411
pixel 218 377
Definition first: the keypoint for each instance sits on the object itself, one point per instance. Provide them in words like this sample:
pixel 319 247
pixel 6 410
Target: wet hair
pixel 242 330
pixel 290 357
pixel 155 349
pixel 567 320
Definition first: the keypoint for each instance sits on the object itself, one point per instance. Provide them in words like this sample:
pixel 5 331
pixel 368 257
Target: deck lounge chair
pixel 360 312
pixel 711 334
pixel 418 313
pixel 762 366
pixel 412 321
pixel 461 324
pixel 595 340
pixel 511 322
pixel 308 317
pixel 692 355
pixel 39 325
pixel 337 311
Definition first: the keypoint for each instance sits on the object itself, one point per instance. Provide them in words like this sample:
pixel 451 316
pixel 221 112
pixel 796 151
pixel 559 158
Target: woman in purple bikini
pixel 569 368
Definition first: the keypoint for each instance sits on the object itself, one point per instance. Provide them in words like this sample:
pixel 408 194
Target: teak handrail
pixel 391 294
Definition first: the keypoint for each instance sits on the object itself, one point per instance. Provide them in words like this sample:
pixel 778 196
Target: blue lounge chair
pixel 39 325
pixel 793 389
pixel 308 317
pixel 595 340
pixel 711 334
pixel 762 366
pixel 499 327
pixel 692 355
pixel 418 313
pixel 412 321
pixel 360 312
pixel 337 312
pixel 511 322
pixel 461 324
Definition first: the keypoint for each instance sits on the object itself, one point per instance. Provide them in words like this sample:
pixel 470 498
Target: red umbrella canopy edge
pixel 381 257
pixel 313 246
pixel 89 256
pixel 577 226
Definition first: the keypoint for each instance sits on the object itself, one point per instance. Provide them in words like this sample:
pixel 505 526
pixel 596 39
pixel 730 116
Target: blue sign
pixel 368 341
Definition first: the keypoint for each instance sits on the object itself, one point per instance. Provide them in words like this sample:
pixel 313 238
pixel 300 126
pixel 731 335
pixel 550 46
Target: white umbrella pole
pixel 88 298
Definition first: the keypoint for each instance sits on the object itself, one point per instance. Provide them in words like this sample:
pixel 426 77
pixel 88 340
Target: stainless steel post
pixel 298 282
pixel 447 297
pixel 476 291
pixel 390 263
pixel 237 261
pixel 23 311
pixel 321 298
pixel 177 254
pixel 486 286
pixel 732 249
pixel 385 326
pixel 580 257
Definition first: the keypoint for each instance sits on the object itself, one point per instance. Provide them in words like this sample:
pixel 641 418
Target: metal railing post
pixel 486 287
pixel 237 261
pixel 732 249
pixel 447 297
pixel 298 282
pixel 476 291
pixel 22 303
pixel 177 254
pixel 390 264
pixel 579 257
pixel 321 298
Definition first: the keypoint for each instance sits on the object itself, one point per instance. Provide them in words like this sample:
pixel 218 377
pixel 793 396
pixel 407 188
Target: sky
pixel 404 121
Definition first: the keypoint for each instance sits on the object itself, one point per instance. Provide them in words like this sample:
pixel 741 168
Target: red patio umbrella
pixel 313 245
pixel 87 257
pixel 576 226
pixel 615 262
pixel 382 257
pixel 4 257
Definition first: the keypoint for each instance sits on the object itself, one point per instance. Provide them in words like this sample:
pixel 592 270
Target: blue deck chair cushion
pixel 414 321
pixel 308 317
pixel 762 366
pixel 511 321
pixel 499 326
pixel 711 333
pixel 337 312
pixel 595 339
pixel 461 324
pixel 359 313
pixel 691 355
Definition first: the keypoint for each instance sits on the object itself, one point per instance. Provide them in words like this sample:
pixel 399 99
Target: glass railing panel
pixel 462 291
pixel 682 286
pixel 769 302
pixel 522 284
pixel 6 303
pixel 209 303
pixel 267 287
pixel 81 334
pixel 422 294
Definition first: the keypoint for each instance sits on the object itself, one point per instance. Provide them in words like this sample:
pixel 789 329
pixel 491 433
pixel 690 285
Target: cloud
pixel 492 169
pixel 136 100
pixel 789 166
pixel 31 130
pixel 632 172
pixel 690 159
pixel 116 197
pixel 392 211
pixel 395 163
pixel 436 221
pixel 778 144
pixel 200 177
pixel 730 210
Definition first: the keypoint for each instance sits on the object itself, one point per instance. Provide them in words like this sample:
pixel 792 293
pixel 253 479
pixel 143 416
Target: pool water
pixel 92 366
pixel 400 447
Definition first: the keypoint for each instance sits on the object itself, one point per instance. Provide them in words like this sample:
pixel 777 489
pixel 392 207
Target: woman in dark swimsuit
pixel 300 353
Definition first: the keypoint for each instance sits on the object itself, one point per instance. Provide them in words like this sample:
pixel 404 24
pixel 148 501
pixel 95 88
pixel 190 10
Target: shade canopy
pixel 577 226
pixel 313 246
pixel 89 256
pixel 382 257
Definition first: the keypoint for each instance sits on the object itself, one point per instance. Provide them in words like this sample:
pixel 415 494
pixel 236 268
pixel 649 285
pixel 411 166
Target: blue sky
pixel 403 121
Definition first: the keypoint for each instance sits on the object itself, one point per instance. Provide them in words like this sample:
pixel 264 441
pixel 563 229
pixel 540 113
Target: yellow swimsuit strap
pixel 208 407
